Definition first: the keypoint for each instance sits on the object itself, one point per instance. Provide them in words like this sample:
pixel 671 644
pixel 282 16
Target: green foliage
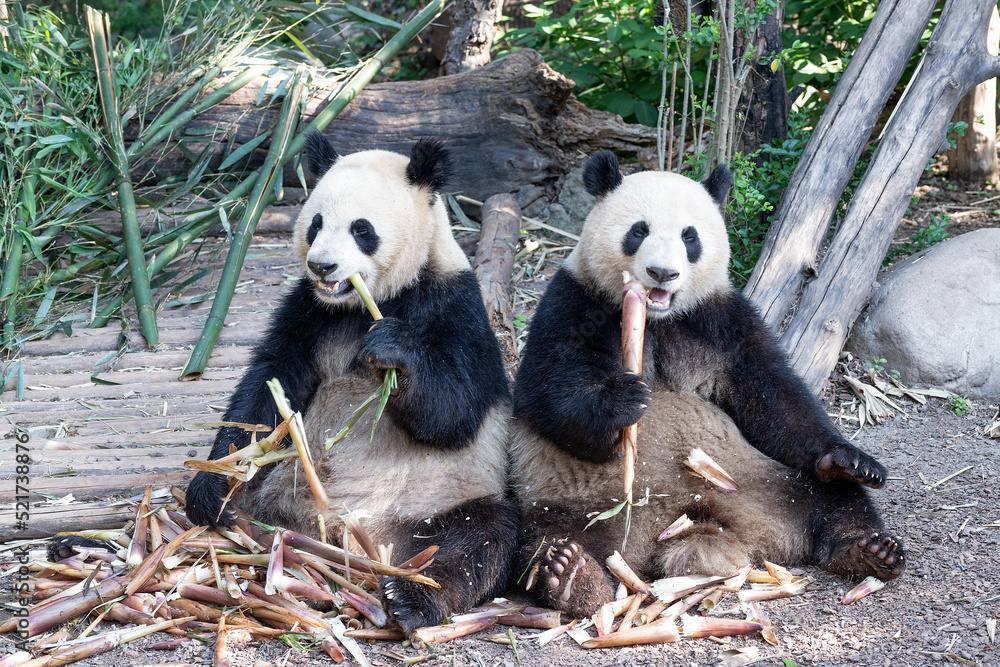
pixel 825 33
pixel 956 127
pixel 935 232
pixel 960 404
pixel 609 48
pixel 877 364
pixel 54 175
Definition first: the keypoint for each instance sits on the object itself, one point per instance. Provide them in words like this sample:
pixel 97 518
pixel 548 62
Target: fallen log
pixel 512 126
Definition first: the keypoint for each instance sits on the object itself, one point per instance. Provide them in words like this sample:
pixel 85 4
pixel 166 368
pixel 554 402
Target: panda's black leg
pixel 563 563
pixel 476 543
pixel 61 547
pixel 851 539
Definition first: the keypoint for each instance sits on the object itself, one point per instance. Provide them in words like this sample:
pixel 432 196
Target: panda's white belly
pixel 388 475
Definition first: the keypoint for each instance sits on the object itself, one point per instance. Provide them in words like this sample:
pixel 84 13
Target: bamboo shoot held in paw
pixel 633 330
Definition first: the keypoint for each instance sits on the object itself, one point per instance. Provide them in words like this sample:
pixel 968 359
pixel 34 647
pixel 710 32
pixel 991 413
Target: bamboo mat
pixel 139 430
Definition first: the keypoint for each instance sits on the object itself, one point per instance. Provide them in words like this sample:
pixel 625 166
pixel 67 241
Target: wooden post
pixel 494 266
pixel 956 59
pixel 973 161
pixel 790 250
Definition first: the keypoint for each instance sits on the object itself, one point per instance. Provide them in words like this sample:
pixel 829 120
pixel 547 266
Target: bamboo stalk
pixel 8 292
pixel 633 328
pixel 243 234
pixel 96 23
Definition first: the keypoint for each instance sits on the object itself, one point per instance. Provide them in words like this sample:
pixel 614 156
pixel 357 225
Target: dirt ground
pixel 939 611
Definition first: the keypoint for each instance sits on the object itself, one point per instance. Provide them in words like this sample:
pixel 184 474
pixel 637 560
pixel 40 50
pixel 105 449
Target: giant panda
pixel 712 377
pixel 434 471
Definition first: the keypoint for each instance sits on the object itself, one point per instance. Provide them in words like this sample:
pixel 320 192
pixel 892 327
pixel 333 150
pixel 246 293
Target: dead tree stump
pixel 494 267
pixel 474 23
pixel 973 161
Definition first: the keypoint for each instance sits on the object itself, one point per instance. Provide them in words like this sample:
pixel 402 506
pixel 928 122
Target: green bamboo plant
pixel 97 23
pixel 199 357
pixel 55 128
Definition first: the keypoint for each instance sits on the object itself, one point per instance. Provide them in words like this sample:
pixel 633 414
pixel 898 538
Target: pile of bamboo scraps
pixel 877 399
pixel 191 581
pixel 674 603
pixel 254 581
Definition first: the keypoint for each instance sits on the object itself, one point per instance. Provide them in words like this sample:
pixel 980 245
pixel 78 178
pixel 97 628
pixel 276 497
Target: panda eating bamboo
pixel 712 378
pixel 435 470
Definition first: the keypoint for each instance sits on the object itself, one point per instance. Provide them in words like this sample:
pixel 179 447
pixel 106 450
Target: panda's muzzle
pixel 658 298
pixel 323 283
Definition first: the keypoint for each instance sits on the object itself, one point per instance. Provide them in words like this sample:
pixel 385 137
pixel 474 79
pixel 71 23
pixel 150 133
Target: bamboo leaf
pixel 243 150
pixel 607 514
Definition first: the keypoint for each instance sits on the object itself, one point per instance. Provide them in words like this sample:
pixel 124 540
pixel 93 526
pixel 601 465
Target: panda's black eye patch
pixel 692 243
pixel 634 237
pixel 365 236
pixel 317 224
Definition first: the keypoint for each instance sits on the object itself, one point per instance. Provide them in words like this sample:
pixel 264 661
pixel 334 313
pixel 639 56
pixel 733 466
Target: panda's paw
pixel 873 555
pixel 847 463
pixel 572 581
pixel 204 498
pixel 390 343
pixel 625 399
pixel 63 546
pixel 410 604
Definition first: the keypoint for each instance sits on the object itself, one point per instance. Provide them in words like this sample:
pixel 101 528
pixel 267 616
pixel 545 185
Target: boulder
pixel 936 317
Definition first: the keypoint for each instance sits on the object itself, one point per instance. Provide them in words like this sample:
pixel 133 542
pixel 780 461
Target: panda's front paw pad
pixel 410 604
pixel 850 464
pixel 875 555
pixel 572 580
pixel 389 344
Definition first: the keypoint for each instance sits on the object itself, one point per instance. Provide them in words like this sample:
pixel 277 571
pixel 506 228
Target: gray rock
pixel 936 317
pixel 574 203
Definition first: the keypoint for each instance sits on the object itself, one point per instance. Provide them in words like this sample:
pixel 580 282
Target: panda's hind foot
pixel 850 464
pixel 875 555
pixel 572 580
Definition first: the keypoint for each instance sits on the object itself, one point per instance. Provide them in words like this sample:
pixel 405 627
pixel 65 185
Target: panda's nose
pixel 662 275
pixel 321 270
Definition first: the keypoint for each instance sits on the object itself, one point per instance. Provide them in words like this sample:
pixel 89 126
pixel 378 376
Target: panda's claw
pixel 850 464
pixel 410 604
pixel 390 343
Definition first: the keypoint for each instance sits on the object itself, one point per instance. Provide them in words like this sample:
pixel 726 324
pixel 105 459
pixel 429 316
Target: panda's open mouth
pixel 658 299
pixel 334 287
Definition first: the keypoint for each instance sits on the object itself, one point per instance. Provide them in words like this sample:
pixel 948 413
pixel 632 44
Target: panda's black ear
pixel 320 154
pixel 601 174
pixel 430 165
pixel 718 183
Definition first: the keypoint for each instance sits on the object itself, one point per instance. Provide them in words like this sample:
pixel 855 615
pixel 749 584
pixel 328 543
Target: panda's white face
pixel 367 216
pixel 662 228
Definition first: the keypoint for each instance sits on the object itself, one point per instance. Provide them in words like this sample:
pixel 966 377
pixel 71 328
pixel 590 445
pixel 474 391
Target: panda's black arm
pixel 571 387
pixel 772 406
pixel 451 370
pixel 286 353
